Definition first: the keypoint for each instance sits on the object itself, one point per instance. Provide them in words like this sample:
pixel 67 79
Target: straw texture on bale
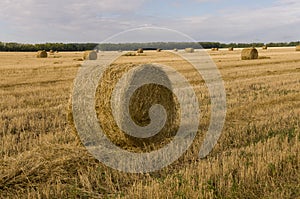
pixel 298 48
pixel 189 50
pixel 140 50
pixel 90 55
pixel 249 53
pixel 140 103
pixel 42 54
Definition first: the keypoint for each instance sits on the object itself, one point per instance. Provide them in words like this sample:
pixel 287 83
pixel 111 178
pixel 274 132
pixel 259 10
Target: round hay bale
pixel 158 50
pixel 51 51
pixel 298 48
pixel 175 50
pixel 140 50
pixel 139 106
pixel 90 55
pixel 249 53
pixel 189 50
pixel 265 47
pixel 230 49
pixel 42 54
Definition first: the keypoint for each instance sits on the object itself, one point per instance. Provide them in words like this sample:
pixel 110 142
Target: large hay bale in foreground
pixel 189 50
pixel 42 54
pixel 249 53
pixel 298 48
pixel 90 55
pixel 140 50
pixel 140 103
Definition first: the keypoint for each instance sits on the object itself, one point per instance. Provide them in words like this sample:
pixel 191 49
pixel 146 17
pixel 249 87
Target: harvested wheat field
pixel 257 155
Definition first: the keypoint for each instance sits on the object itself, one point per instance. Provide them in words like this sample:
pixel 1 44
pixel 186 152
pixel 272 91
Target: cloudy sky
pixel 39 21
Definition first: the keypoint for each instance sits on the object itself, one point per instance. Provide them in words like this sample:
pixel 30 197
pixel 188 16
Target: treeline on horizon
pixel 16 47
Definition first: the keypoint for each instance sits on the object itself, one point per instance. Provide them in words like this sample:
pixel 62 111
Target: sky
pixel 41 21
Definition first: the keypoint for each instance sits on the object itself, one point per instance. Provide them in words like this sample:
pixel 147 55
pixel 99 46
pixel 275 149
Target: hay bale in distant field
pixel 230 49
pixel 175 50
pixel 189 50
pixel 42 54
pixel 51 51
pixel 140 50
pixel 265 47
pixel 90 55
pixel 249 53
pixel 298 48
pixel 215 49
pixel 158 50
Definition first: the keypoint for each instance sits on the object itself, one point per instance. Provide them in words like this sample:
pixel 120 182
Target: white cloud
pixel 91 20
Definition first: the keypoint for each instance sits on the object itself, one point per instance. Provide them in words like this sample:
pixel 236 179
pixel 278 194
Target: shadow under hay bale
pixel 140 103
pixel 189 50
pixel 42 54
pixel 90 55
pixel 249 54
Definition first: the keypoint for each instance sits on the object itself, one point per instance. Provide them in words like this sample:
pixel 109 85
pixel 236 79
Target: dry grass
pixel 257 155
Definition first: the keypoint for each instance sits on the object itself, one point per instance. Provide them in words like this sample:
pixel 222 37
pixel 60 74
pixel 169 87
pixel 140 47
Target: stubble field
pixel 257 156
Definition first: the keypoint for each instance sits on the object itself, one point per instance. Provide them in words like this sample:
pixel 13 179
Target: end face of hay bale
pixel 90 55
pixel 140 50
pixel 42 54
pixel 298 48
pixel 249 54
pixel 189 50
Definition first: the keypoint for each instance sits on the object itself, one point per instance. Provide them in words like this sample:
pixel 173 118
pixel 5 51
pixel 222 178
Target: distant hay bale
pixel 140 103
pixel 158 50
pixel 51 51
pixel 42 54
pixel 249 53
pixel 265 47
pixel 175 50
pixel 215 49
pixel 189 50
pixel 90 55
pixel 140 50
pixel 298 48
pixel 230 49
